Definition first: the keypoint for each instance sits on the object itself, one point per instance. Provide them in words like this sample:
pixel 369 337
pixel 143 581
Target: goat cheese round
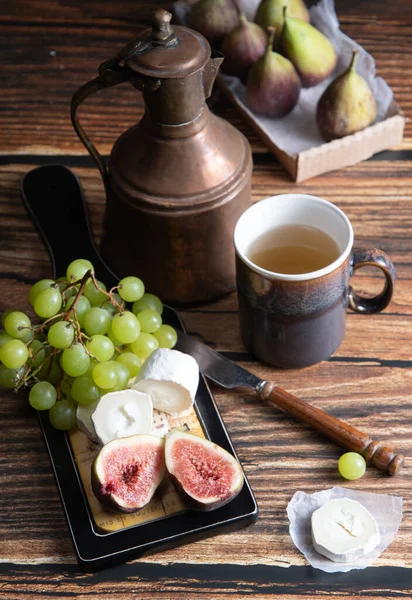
pixel 122 414
pixel 171 378
pixel 344 530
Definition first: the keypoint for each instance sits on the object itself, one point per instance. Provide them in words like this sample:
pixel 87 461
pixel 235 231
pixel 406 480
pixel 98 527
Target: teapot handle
pixel 108 77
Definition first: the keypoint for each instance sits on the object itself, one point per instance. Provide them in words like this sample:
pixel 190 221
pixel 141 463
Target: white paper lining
pixel 298 131
pixel 386 509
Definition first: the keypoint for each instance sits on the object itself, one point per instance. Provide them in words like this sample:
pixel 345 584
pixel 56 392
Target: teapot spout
pixel 210 71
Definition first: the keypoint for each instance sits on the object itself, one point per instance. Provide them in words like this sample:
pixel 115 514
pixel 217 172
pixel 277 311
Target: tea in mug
pixel 293 250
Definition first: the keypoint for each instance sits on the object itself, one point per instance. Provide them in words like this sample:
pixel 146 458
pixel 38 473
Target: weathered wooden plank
pixel 54 48
pixel 280 455
pixel 193 581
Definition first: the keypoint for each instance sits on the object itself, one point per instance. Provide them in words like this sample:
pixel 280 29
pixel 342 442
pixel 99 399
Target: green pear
pixel 308 49
pixel 273 86
pixel 346 106
pixel 270 14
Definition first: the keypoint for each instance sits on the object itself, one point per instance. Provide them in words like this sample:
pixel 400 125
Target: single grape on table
pixel 351 465
pixel 87 340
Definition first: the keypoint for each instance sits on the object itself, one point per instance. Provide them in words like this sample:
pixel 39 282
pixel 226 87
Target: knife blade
pixel 229 375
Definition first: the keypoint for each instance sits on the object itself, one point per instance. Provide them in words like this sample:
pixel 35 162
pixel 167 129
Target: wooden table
pixel 49 49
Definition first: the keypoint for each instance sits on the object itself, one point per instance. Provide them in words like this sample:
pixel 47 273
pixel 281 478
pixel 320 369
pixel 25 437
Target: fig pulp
pixel 204 473
pixel 127 472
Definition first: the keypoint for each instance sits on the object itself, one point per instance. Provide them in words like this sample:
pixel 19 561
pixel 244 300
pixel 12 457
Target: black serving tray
pixel 53 196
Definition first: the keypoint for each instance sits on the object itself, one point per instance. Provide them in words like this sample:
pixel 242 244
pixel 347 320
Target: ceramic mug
pixel 298 320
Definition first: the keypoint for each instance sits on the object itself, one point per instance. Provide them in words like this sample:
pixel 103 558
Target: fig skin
pixel 311 53
pixel 242 47
pixel 214 19
pixel 270 14
pixel 108 499
pixel 346 106
pixel 273 86
pixel 206 447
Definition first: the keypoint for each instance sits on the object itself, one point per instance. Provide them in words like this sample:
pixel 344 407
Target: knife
pixel 229 375
pixel 53 196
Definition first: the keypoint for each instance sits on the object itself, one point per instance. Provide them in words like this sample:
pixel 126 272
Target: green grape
pixel 63 284
pixel 42 395
pixel 84 390
pixel 131 289
pixel 96 320
pixel 28 337
pixel 13 354
pixel 77 269
pixel 112 338
pixel 4 337
pixel 149 320
pixel 125 327
pixel 93 295
pixel 105 375
pixel 81 308
pixel 109 306
pixel 89 372
pixel 75 361
pixel 37 352
pixel 48 303
pixel 148 301
pixel 132 362
pixel 6 314
pixel 16 324
pixel 63 415
pixel 50 369
pixel 351 465
pixel 66 388
pixel 7 377
pixel 144 345
pixel 101 347
pixel 38 287
pixel 61 334
pixel 166 336
pixel 123 376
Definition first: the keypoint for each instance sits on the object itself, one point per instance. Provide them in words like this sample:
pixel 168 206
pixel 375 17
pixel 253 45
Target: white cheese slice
pixel 344 530
pixel 122 414
pixel 84 420
pixel 171 378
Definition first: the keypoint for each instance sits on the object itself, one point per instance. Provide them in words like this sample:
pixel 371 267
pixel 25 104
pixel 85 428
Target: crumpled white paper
pixel 386 509
pixel 298 131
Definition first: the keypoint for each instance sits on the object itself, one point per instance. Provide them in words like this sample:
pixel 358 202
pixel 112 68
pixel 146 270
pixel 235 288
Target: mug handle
pixel 372 258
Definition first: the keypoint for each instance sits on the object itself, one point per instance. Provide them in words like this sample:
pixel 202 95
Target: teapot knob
pixel 162 32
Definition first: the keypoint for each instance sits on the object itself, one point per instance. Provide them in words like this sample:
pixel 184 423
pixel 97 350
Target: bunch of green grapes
pixel 88 342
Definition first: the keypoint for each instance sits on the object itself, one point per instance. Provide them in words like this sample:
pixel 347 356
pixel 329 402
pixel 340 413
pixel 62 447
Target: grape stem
pixel 108 294
pixel 83 282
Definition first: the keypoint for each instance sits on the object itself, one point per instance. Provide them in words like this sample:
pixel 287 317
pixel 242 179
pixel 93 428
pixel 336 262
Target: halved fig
pixel 204 473
pixel 127 472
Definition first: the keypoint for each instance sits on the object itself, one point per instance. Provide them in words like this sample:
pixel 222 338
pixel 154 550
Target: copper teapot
pixel 177 181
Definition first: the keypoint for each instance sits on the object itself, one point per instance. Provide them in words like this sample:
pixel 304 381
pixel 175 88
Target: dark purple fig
pixel 127 472
pixel 204 474
pixel 242 47
pixel 214 19
pixel 273 86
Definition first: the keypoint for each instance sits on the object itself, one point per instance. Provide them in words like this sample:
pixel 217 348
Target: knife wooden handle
pixel 375 452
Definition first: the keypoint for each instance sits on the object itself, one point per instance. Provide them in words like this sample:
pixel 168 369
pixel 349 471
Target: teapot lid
pixel 165 52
